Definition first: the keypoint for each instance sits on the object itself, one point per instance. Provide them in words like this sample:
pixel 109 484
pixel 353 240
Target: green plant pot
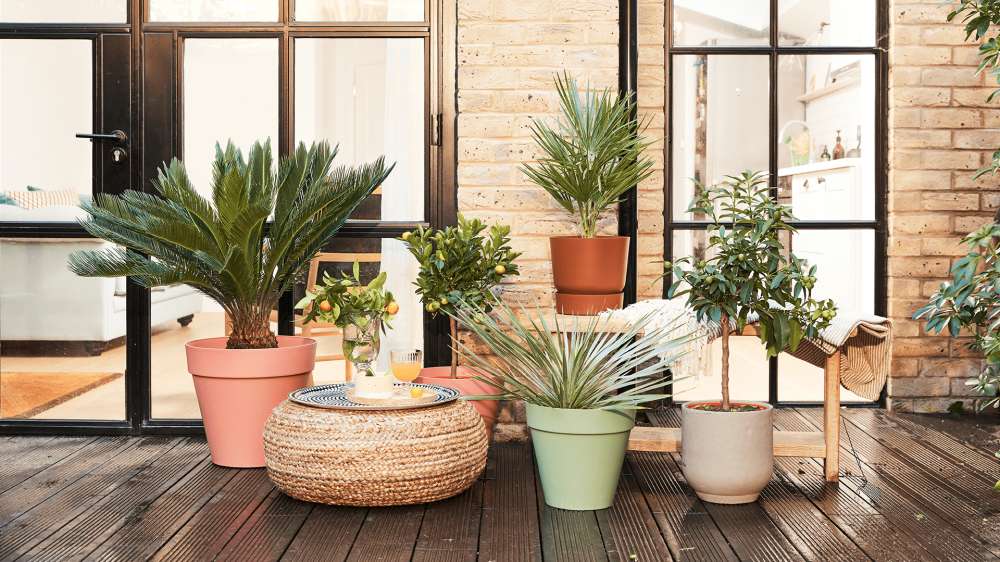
pixel 579 454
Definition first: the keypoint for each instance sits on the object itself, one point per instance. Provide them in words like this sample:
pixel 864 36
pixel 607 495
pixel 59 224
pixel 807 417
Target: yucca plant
pixel 242 248
pixel 581 368
pixel 593 155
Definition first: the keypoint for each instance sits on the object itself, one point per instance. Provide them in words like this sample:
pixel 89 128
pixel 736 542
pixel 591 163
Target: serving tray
pixel 338 397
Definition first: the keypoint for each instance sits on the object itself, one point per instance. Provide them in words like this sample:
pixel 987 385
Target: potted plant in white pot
pixel 243 248
pixel 581 386
pixel 363 312
pixel 461 264
pixel 747 276
pixel 591 157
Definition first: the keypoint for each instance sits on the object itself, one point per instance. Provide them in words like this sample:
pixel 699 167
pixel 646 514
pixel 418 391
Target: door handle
pixel 117 135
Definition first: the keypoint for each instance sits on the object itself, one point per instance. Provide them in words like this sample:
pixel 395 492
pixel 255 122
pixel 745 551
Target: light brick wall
pixel 940 131
pixel 508 54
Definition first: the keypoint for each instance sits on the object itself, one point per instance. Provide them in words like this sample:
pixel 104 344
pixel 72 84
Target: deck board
pixel 159 498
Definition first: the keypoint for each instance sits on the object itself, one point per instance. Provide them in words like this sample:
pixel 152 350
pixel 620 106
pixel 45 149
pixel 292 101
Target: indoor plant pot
pixel 589 160
pixel 579 454
pixel 257 380
pixel 745 273
pixel 581 389
pixel 589 273
pixel 465 382
pixel 713 442
pixel 243 247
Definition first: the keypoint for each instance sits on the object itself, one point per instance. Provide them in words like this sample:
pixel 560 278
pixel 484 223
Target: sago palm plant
pixel 242 248
pixel 593 155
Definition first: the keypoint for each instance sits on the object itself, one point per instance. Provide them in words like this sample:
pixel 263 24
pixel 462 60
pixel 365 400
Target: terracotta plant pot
pixel 727 457
pixel 238 388
pixel 589 273
pixel 464 383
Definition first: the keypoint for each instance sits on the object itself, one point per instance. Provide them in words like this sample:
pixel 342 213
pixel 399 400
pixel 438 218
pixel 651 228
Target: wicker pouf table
pixel 374 458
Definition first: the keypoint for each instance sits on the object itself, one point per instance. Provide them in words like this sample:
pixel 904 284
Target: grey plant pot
pixel 727 457
pixel 579 454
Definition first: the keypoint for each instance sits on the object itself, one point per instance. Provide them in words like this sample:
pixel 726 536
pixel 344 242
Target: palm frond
pixel 583 367
pixel 217 245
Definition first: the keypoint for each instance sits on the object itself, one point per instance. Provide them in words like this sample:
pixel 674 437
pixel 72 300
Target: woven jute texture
pixel 374 458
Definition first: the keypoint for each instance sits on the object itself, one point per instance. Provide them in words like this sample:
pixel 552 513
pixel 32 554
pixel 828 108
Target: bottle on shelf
pixel 825 156
pixel 838 149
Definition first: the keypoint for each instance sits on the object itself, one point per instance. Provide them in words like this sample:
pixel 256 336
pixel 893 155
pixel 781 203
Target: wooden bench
pixel 816 444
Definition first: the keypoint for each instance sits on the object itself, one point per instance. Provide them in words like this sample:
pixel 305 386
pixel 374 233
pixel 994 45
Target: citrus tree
pixel 460 264
pixel 747 272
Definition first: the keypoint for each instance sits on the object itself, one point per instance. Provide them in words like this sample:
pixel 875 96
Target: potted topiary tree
pixel 363 312
pixel 727 446
pixel 591 157
pixel 581 387
pixel 242 248
pixel 460 264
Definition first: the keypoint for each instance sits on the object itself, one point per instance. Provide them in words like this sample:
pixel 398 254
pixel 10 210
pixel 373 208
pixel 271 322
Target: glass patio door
pixel 65 136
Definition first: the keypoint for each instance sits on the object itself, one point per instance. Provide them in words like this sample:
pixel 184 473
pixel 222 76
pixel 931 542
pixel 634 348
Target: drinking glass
pixel 406 364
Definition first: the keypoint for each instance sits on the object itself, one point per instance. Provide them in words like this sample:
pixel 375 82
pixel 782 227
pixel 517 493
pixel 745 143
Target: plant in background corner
pixel 749 274
pixel 460 264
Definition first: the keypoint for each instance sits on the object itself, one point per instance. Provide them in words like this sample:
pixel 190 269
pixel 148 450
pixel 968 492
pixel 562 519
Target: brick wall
pixel 941 129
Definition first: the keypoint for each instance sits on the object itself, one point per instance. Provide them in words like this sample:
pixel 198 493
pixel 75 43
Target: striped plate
pixel 334 396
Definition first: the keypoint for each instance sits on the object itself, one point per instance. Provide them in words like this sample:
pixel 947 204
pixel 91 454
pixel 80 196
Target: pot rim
pixel 578 237
pixel 211 344
pixel 764 407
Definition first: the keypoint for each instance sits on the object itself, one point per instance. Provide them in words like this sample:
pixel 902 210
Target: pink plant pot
pixel 238 388
pixel 467 386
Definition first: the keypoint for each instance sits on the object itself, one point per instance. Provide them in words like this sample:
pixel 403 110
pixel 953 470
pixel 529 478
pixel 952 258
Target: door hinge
pixel 436 129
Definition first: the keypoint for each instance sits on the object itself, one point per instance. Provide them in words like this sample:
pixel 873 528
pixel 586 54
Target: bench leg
pixel 831 417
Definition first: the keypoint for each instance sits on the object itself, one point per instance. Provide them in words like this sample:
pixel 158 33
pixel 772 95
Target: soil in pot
pixel 727 457
pixel 238 388
pixel 588 273
pixel 468 386
pixel 579 454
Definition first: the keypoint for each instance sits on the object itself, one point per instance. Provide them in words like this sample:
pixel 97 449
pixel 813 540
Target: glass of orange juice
pixel 406 364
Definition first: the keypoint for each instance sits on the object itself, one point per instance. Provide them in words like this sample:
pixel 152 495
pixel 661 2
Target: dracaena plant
pixel 747 272
pixel 460 264
pixel 244 246
pixel 971 301
pixel 585 367
pixel 592 155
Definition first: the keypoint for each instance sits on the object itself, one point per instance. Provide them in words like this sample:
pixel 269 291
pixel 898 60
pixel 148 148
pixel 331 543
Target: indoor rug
pixel 25 395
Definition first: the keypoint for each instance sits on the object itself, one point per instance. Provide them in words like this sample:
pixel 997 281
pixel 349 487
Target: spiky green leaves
pixel 592 156
pixel 220 245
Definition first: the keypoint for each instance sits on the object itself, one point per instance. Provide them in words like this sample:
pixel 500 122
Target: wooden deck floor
pixel 928 497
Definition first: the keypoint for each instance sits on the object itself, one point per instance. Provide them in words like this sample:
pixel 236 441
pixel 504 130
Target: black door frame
pixel 439 32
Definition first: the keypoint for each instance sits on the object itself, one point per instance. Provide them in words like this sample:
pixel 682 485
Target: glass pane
pixel 62 337
pixel 845 272
pixel 748 367
pixel 721 22
pixel 368 95
pixel 826 139
pixel 64 11
pixel 213 10
pixel 230 93
pixel 720 121
pixel 56 75
pixel 181 315
pixel 359 10
pixel 827 22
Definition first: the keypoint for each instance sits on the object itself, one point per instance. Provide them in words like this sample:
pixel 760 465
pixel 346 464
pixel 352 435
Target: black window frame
pixel 773 50
pixel 439 33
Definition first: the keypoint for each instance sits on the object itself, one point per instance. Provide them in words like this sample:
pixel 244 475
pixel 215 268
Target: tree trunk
pixel 725 363
pixel 453 328
pixel 251 331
